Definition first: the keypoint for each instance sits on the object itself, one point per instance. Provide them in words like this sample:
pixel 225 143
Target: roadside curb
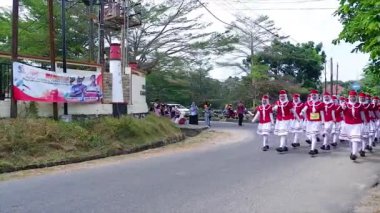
pixel 170 140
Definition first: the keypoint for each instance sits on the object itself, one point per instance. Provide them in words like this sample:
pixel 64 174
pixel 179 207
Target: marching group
pixel 355 119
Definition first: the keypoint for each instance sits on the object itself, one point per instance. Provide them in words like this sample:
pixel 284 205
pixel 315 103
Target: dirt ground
pixel 369 203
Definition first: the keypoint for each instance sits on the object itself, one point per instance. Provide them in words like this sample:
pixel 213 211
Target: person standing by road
pixel 207 112
pixel 240 111
pixel 193 119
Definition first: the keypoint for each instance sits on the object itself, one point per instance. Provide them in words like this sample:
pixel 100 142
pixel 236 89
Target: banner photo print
pixel 35 84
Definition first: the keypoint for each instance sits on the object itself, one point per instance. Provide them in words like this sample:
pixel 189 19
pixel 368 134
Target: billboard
pixel 35 84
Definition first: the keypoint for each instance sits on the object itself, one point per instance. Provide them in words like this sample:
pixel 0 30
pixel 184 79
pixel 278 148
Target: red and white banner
pixel 35 84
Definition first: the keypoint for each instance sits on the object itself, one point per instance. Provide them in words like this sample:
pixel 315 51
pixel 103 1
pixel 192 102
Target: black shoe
pixel 334 144
pixel 353 157
pixel 265 148
pixel 279 149
pixel 375 139
pixel 373 144
pixel 316 151
pixel 318 140
pixel 308 142
pixel 342 141
pixel 370 148
pixel 285 149
pixel 367 147
pixel 312 152
pixel 328 147
pixel 323 147
pixel 323 135
pixel 362 153
pixel 296 145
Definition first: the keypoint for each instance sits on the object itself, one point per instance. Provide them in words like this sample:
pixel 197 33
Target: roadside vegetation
pixel 25 142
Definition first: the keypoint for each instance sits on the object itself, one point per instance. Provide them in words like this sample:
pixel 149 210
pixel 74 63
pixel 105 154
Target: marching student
pixel 329 121
pixel 342 135
pixel 297 125
pixel 375 103
pixel 315 117
pixel 365 127
pixel 285 114
pixel 338 119
pixel 264 114
pixel 354 118
pixel 371 122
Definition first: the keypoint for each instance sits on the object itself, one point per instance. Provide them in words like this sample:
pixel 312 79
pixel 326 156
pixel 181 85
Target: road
pixel 234 177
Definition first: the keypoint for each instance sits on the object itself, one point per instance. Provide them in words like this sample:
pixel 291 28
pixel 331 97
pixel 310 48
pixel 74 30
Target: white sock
pixel 295 138
pixel 335 137
pixel 370 140
pixel 265 140
pixel 355 148
pixel 282 141
pixel 313 142
pixel 363 144
pixel 325 139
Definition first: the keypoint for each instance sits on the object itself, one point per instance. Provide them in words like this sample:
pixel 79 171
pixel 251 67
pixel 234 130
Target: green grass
pixel 39 141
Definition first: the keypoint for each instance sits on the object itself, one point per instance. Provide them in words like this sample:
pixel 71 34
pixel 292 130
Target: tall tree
pixel 304 62
pixel 253 35
pixel 33 32
pixel 168 32
pixel 361 26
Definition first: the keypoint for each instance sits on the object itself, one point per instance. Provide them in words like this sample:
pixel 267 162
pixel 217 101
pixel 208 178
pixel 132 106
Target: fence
pixel 5 83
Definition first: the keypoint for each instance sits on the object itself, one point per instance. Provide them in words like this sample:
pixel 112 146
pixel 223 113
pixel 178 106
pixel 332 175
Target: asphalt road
pixel 237 177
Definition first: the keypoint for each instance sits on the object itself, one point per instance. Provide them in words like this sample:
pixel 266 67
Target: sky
pixel 302 25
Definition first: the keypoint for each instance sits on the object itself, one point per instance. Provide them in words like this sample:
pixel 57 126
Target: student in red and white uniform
pixel 354 118
pixel 264 114
pixel 365 128
pixel 343 135
pixel 371 123
pixel 285 114
pixel 314 111
pixel 329 121
pixel 297 125
pixel 375 103
pixel 338 119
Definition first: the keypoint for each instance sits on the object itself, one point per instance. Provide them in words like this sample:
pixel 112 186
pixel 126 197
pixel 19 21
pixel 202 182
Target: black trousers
pixel 241 116
pixel 193 119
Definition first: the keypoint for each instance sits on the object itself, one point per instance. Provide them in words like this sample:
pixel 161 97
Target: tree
pixel 253 35
pixel 168 33
pixel 33 29
pixel 361 26
pixel 370 83
pixel 304 62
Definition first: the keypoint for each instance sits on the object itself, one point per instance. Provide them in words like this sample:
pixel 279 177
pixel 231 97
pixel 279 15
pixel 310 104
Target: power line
pixel 234 26
pixel 301 8
pixel 277 2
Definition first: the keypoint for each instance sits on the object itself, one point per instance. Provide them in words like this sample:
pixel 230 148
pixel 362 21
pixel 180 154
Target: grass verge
pixel 25 143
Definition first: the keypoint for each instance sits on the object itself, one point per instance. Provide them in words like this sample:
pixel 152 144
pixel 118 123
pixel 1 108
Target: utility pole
pixel 337 78
pixel 64 54
pixel 15 18
pixel 91 32
pixel 252 71
pixel 101 35
pixel 331 76
pixel 325 77
pixel 52 49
